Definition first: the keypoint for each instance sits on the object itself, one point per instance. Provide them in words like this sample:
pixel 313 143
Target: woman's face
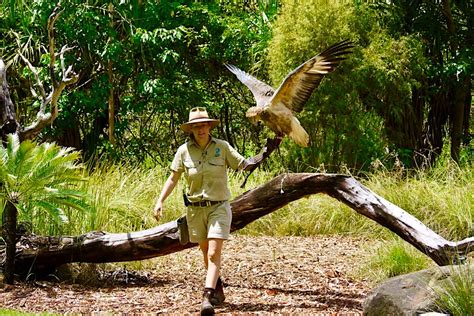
pixel 201 131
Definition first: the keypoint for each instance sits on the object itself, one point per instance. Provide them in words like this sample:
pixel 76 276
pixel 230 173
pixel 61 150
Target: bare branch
pixel 68 77
pixel 64 50
pixel 40 253
pixel 35 73
pixel 3 71
pixel 52 19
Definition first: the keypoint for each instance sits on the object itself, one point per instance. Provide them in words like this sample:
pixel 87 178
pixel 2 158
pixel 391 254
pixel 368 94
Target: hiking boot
pixel 218 298
pixel 206 306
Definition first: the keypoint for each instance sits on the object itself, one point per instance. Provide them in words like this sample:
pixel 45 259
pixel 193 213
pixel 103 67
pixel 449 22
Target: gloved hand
pixel 253 162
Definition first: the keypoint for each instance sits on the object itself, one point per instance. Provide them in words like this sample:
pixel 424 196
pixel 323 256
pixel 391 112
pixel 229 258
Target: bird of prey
pixel 275 108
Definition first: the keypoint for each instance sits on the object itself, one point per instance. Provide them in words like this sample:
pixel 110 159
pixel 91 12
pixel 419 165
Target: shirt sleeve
pixel 177 163
pixel 233 159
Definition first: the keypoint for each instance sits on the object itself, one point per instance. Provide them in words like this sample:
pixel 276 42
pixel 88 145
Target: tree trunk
pixel 434 126
pixel 110 74
pixel 8 122
pixel 9 235
pixel 45 253
pixel 457 116
pixel 459 86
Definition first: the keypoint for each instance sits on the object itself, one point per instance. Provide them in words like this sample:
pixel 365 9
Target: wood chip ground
pixel 262 276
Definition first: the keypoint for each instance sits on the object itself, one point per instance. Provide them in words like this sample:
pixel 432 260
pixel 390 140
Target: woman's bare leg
pixel 212 250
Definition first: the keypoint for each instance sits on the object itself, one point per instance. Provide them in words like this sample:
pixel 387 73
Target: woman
pixel 204 161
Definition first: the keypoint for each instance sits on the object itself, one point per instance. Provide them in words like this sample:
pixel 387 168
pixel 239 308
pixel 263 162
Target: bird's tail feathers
pixel 298 134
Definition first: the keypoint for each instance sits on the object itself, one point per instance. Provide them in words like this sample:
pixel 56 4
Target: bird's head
pixel 253 114
pixel 253 120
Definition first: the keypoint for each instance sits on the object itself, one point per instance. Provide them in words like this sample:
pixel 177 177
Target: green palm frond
pixel 44 176
pixel 53 210
pixel 52 170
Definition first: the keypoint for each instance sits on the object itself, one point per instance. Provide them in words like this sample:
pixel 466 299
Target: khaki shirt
pixel 206 169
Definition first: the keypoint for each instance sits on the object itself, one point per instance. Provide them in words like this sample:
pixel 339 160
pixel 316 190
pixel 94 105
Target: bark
pixel 433 133
pixel 458 86
pixel 111 118
pixel 9 221
pixel 457 116
pixel 8 122
pixel 43 253
pixel 70 136
pixel 111 83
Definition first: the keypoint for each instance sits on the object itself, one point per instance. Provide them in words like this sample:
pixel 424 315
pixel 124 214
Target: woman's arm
pixel 165 192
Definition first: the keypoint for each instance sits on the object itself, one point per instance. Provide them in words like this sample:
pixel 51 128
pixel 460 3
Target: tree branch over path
pixel 38 254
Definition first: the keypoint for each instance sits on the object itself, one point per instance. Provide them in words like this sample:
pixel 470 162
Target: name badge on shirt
pixel 218 152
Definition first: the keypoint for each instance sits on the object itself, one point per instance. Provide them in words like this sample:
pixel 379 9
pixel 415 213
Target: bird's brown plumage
pixel 275 107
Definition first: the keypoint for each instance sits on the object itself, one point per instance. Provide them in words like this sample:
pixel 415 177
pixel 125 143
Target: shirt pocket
pixel 217 164
pixel 191 167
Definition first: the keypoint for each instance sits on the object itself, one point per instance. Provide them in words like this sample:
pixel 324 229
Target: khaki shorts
pixel 209 222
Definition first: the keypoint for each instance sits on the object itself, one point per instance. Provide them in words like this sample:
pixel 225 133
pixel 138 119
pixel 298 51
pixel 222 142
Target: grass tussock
pixel 394 257
pixel 456 296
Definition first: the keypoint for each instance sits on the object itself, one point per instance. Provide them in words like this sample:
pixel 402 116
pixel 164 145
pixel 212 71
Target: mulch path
pixel 262 275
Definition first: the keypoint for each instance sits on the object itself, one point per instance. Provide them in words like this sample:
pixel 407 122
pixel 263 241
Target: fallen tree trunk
pixel 44 253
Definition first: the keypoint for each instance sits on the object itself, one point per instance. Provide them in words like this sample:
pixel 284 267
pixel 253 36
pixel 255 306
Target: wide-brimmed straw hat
pixel 198 115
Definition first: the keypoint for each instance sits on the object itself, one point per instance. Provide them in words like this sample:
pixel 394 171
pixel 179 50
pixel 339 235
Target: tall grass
pixel 122 199
pixel 456 296
pixel 394 257
pixel 441 197
pixel 123 196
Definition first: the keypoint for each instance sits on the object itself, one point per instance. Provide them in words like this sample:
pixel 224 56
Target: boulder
pixel 410 294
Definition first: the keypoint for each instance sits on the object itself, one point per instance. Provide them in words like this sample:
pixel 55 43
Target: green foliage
pixel 341 129
pixel 363 107
pixel 391 72
pixel 442 102
pixel 41 180
pixel 166 57
pixel 456 295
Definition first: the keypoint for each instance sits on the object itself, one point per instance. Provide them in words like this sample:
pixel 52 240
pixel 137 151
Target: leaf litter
pixel 262 275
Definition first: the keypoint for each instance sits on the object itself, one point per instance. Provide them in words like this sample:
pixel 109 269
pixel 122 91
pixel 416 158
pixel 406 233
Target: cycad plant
pixel 35 177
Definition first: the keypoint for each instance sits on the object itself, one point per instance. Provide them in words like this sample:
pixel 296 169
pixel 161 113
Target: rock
pixel 409 294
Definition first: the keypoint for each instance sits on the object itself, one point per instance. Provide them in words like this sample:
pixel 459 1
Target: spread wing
pixel 260 90
pixel 298 85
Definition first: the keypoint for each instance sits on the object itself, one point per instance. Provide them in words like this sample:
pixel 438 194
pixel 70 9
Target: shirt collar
pixel 193 142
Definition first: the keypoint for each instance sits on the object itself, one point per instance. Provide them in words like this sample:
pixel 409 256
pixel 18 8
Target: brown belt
pixel 204 203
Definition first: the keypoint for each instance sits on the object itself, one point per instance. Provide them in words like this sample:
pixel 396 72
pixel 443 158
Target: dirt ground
pixel 262 275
